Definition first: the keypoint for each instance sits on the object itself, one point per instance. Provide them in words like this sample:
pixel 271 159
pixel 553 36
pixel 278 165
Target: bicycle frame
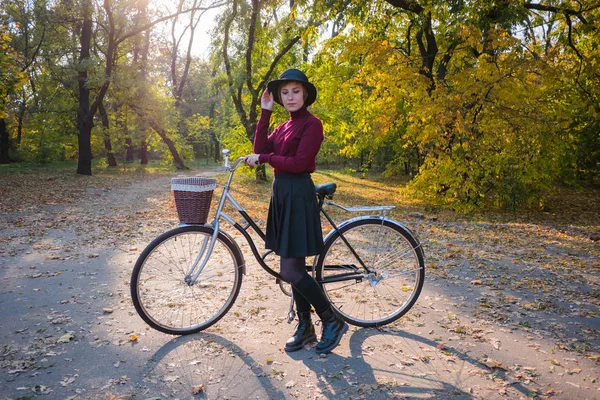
pixel 208 245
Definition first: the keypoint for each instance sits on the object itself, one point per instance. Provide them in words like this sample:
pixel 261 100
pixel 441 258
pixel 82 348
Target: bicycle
pixel 371 268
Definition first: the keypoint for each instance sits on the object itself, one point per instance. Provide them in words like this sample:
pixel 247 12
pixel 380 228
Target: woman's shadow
pixel 390 363
pixel 207 366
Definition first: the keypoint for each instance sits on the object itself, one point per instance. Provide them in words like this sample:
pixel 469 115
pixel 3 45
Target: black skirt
pixel 294 223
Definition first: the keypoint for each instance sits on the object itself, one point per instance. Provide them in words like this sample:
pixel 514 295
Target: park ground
pixel 510 307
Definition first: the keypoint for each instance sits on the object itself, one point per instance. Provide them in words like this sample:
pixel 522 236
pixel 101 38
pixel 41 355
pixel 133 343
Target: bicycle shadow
pixel 390 363
pixel 210 365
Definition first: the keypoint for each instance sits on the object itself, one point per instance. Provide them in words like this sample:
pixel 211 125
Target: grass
pixel 99 167
pixel 26 186
pixel 567 206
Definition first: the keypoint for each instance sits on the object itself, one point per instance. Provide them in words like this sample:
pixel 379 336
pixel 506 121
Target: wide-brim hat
pixel 293 75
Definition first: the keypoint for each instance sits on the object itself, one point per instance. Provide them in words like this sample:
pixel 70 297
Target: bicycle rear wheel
pixel 395 259
pixel 161 289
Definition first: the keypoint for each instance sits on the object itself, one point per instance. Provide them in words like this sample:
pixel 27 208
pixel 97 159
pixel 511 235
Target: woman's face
pixel 292 96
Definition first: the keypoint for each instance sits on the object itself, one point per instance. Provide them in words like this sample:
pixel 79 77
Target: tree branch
pixel 36 51
pixel 237 100
pixel 570 37
pixel 282 52
pixel 408 5
pixel 159 20
pixel 557 10
pixel 251 39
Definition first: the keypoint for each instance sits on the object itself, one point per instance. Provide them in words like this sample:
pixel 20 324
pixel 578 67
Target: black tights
pixel 305 289
pixel 292 269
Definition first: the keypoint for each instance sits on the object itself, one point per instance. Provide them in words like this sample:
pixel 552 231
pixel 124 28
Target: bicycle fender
pixel 379 217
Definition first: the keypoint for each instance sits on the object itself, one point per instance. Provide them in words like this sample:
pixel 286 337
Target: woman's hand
pixel 252 160
pixel 266 101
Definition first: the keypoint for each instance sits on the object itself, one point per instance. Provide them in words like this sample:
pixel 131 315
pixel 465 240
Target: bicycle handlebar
pixel 235 164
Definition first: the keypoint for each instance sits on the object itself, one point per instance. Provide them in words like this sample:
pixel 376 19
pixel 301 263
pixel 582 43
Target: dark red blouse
pixel 293 145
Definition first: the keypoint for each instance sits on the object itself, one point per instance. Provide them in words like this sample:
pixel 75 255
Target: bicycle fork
pixel 208 244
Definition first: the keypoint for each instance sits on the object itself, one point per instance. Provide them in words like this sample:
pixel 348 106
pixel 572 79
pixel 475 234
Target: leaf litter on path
pixel 515 279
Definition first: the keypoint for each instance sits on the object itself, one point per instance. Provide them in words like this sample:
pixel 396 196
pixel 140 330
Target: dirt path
pixel 69 329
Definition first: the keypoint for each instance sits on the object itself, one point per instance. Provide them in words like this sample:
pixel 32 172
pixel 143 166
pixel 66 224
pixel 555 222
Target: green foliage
pixel 488 123
pixel 10 75
pixel 480 102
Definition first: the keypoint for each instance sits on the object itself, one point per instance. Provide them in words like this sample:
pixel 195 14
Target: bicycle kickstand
pixel 291 313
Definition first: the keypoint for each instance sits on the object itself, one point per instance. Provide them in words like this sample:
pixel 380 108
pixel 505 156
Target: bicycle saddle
pixel 326 189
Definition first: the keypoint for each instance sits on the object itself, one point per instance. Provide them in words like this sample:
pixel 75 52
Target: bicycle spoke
pixel 394 283
pixel 161 293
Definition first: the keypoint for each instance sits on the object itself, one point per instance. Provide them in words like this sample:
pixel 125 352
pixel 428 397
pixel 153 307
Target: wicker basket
pixel 192 198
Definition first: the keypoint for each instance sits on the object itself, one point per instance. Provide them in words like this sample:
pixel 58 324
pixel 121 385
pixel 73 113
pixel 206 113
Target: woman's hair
pixel 304 90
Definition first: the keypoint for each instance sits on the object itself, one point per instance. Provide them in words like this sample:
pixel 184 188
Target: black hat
pixel 293 75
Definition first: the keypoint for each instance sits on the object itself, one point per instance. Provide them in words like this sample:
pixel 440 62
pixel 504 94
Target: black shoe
pixel 305 333
pixel 333 329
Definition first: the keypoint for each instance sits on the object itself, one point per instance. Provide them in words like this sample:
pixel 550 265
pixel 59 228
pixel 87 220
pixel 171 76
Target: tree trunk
pixel 128 150
pixel 122 126
pixel 261 173
pixel 217 146
pixel 143 152
pixel 84 117
pixel 84 162
pixel 4 142
pixel 110 156
pixel 211 115
pixel 177 161
pixel 20 118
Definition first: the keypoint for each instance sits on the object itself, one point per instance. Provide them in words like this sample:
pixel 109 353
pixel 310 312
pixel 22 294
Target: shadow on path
pixel 390 363
pixel 225 370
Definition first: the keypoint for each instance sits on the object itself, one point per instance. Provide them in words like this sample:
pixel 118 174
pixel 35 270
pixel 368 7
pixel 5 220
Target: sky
pixel 202 40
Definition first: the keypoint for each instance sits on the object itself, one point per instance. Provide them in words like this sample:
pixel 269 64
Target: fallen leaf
pixel 67 380
pixel 66 338
pixel 491 363
pixel 495 343
pixel 42 389
pixel 197 389
pixel 133 338
pixel 110 396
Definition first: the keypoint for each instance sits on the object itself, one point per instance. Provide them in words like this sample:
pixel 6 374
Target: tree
pixel 258 38
pixel 25 19
pixel 181 64
pixel 11 76
pixel 116 32
pixel 449 80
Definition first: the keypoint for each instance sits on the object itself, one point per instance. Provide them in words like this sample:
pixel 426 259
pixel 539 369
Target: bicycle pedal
pixel 291 317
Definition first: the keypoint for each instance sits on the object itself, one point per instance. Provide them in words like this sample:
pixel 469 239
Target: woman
pixel 293 224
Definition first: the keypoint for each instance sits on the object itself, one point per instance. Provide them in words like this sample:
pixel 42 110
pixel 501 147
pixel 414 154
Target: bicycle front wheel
pixel 164 291
pixel 396 271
